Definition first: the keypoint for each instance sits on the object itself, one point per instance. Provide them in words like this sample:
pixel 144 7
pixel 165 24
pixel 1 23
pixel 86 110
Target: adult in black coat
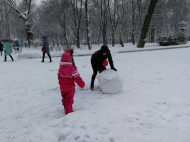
pixel 1 48
pixel 97 61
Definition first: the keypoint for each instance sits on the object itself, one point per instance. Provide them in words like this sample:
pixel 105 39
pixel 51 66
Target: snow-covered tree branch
pixel 24 15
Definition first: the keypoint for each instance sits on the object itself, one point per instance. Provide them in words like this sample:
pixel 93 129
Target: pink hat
pixel 66 57
pixel 67 49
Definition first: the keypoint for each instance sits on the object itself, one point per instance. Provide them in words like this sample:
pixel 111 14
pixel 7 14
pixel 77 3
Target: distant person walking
pixel 17 45
pixel 45 48
pixel 1 48
pixel 7 50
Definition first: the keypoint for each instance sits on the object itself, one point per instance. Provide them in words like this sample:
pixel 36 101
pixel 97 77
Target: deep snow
pixel 153 105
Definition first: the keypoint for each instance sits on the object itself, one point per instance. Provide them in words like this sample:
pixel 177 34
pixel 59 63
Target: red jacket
pixel 67 76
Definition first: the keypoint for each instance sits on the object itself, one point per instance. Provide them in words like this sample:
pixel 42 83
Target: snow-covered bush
pixel 165 41
pixel 110 82
pixel 172 40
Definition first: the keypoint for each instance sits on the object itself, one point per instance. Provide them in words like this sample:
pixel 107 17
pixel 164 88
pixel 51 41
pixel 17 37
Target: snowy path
pixel 155 49
pixel 154 105
pixel 34 53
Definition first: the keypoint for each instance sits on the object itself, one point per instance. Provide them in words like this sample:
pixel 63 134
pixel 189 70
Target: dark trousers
pixel 1 53
pixel 95 71
pixel 44 56
pixel 10 57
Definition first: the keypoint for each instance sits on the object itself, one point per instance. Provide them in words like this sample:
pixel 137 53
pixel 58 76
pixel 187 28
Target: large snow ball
pixel 110 82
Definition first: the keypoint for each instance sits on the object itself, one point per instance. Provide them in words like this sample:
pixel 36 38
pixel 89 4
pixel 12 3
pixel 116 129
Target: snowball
pixel 110 82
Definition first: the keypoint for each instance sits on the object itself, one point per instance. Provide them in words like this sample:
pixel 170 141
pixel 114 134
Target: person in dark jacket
pixel 45 48
pixel 1 48
pixel 98 61
pixel 16 45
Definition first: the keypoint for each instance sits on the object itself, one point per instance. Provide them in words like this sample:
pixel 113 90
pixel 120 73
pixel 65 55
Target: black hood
pixel 104 49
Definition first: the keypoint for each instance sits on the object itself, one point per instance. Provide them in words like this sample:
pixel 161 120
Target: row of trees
pixel 76 22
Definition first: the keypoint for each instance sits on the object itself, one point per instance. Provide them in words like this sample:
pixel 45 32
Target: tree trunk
pixel 146 24
pixel 113 18
pixel 121 39
pixel 63 24
pixel 7 26
pixel 52 39
pixel 78 39
pixel 25 16
pixel 113 37
pixel 133 23
pixel 57 40
pixel 104 33
pixel 152 34
pixel 77 13
pixel 64 31
pixel 1 21
pixel 87 25
pixel 104 23
pixel 29 34
pixel 99 35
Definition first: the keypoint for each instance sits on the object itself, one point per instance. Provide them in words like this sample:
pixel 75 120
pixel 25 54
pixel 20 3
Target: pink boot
pixel 68 109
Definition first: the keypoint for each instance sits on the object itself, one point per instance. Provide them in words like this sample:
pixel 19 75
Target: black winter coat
pixel 1 46
pixel 98 58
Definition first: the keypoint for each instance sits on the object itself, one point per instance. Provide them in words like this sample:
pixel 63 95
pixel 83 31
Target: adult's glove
pixel 105 63
pixel 114 69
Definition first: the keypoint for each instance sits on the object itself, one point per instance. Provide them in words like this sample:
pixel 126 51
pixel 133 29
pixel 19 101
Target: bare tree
pixel 24 15
pixel 87 25
pixel 7 19
pixel 104 17
pixel 133 21
pixel 147 23
pixel 1 21
pixel 64 4
pixel 1 18
pixel 77 8
pixel 115 18
pixel 68 22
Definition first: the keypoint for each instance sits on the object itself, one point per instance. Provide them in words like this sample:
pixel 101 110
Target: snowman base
pixel 110 82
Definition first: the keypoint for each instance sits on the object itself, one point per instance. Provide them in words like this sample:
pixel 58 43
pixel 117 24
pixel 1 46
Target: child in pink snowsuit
pixel 67 76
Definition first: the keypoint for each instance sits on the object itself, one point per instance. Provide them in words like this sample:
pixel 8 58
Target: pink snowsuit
pixel 67 76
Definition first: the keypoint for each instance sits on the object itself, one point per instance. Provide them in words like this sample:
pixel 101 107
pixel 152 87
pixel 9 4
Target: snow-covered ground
pixel 153 106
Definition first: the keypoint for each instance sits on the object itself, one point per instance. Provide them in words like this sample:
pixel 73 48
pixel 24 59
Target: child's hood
pixel 66 57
